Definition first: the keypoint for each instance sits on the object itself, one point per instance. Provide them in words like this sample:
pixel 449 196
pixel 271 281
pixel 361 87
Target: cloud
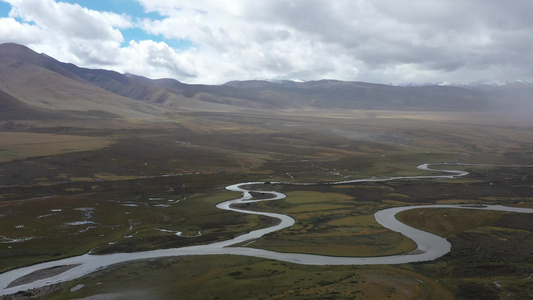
pixel 231 43
pixel 149 57
pixel 11 30
pixel 384 41
pixel 68 32
pixel 379 40
pixel 69 20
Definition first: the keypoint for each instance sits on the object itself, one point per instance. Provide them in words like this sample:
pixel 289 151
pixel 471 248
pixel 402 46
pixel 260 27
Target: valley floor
pixel 127 186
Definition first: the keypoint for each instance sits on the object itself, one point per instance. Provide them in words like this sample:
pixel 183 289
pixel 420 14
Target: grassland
pixel 250 278
pixel 23 145
pixel 124 186
pixel 327 224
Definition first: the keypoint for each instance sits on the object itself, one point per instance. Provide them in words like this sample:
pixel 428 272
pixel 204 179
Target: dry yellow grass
pixel 114 177
pixel 314 197
pixel 446 221
pixel 325 226
pixel 22 145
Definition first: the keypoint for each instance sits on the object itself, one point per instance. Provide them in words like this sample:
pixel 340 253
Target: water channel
pixel 429 246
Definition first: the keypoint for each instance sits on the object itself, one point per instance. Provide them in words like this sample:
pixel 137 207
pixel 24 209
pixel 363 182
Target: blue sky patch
pixel 138 35
pixel 5 8
pixel 180 44
pixel 128 7
pixel 136 11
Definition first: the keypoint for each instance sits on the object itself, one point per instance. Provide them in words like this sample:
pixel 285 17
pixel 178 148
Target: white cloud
pixel 368 40
pixel 156 60
pixel 23 33
pixel 68 20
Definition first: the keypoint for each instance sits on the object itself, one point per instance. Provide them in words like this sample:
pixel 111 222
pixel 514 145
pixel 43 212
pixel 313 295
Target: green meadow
pixel 69 188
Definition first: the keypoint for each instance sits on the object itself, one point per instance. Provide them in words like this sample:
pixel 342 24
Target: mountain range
pixel 37 86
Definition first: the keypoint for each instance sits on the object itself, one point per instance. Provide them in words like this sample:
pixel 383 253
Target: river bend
pixel 429 246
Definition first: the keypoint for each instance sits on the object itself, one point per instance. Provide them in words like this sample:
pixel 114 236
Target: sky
pixel 216 41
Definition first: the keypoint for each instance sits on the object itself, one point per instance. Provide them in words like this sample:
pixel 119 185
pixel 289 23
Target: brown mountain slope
pixel 170 93
pixel 11 53
pixel 41 83
pixel 335 94
pixel 13 109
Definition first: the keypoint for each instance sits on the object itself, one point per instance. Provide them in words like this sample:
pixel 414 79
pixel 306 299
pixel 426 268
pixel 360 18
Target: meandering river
pixel 429 246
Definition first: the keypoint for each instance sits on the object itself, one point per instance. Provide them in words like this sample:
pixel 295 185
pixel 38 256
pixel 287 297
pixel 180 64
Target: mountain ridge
pixel 40 81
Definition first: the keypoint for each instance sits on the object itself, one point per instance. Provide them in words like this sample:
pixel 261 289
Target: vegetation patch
pixel 230 277
pixel 447 221
pixel 331 224
pixel 70 186
pixel 22 145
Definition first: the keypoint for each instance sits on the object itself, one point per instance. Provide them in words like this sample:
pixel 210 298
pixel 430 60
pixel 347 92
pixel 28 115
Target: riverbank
pixel 429 246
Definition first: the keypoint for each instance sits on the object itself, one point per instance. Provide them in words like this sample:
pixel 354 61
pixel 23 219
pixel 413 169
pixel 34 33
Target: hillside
pixel 359 95
pixel 39 83
pixel 13 109
pixel 35 85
